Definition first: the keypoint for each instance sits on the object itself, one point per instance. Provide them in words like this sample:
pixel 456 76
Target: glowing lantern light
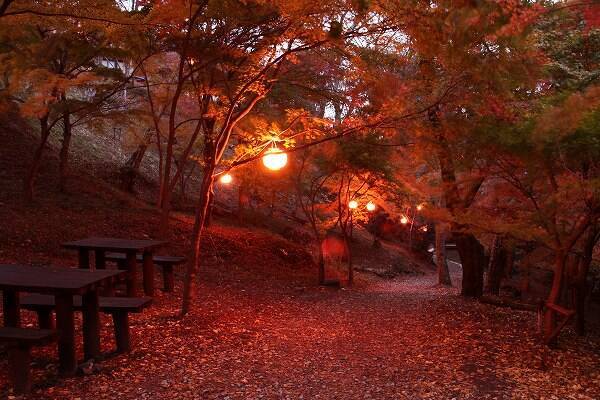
pixel 226 179
pixel 420 207
pixel 370 206
pixel 404 220
pixel 424 229
pixel 274 159
pixel 352 204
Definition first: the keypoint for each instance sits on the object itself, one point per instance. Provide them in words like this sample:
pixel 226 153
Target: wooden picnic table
pixel 62 283
pixel 131 247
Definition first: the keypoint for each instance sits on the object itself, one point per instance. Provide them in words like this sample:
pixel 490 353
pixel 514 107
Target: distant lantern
pixel 226 179
pixel 424 229
pixel 404 220
pixel 352 204
pixel 275 159
pixel 420 207
pixel 371 206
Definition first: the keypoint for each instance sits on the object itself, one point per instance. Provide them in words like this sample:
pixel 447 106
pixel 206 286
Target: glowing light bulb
pixel 404 220
pixel 226 179
pixel 420 207
pixel 352 204
pixel 371 206
pixel 424 229
pixel 274 159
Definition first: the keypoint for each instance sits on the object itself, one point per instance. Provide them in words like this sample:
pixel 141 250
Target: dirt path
pixel 401 339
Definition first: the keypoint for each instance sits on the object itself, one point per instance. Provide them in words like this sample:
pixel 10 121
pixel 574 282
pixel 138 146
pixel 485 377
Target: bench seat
pixel 160 260
pixel 34 337
pixel 118 307
pixel 19 342
pixel 107 304
pixel 166 262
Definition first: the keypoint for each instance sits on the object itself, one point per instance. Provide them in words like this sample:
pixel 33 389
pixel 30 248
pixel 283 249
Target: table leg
pixel 91 325
pixel 84 258
pixel 66 339
pixel 121 322
pixel 10 302
pixel 100 259
pixel 131 274
pixel 148 269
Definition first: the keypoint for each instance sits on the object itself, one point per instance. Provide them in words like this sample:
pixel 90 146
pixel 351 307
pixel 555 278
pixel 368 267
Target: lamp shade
pixel 275 159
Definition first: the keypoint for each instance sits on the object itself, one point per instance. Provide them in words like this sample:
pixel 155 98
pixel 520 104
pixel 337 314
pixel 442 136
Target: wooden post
pixel 84 258
pixel 91 325
pixel 19 371
pixel 45 320
pixel 169 284
pixel 121 323
pixel 12 314
pixel 100 259
pixel 66 339
pixel 148 269
pixel 131 273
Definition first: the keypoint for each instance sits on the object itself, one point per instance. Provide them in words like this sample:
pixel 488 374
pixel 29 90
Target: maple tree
pixel 463 63
pixel 52 72
pixel 549 157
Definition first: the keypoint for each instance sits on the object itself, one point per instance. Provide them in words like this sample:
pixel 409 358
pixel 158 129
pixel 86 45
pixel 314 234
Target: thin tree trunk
pixel 64 152
pixel 182 186
pixel 555 291
pixel 510 260
pixel 349 258
pixel 189 287
pixel 472 258
pixel 440 256
pixel 165 212
pixel 29 180
pixel 321 265
pixel 132 167
pixel 581 287
pixel 496 266
pixel 159 200
pixel 211 206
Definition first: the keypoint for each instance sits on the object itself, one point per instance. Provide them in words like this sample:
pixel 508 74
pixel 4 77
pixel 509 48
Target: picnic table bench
pixel 166 262
pixel 62 284
pixel 130 247
pixel 18 342
pixel 118 307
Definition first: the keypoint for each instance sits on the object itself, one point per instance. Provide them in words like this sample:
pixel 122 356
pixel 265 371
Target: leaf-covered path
pixel 250 339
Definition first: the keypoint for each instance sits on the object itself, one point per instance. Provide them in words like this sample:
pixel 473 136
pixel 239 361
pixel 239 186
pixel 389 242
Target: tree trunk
pixel 189 287
pixel 349 258
pixel 132 167
pixel 182 181
pixel 321 266
pixel 29 180
pixel 581 287
pixel 64 152
pixel 555 291
pixel 165 211
pixel 211 206
pixel 510 260
pixel 496 266
pixel 472 258
pixel 440 256
pixel 161 181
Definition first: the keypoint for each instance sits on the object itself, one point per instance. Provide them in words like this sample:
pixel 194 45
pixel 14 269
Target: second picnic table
pixel 131 247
